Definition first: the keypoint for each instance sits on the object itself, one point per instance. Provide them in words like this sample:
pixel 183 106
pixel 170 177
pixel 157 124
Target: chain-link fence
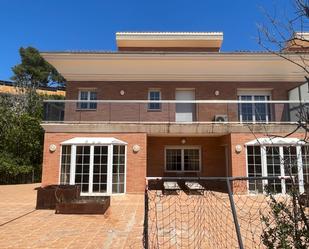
pixel 210 212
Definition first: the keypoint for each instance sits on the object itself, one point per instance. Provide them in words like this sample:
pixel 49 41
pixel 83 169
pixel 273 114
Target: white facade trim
pixel 275 141
pixel 93 140
pixel 169 35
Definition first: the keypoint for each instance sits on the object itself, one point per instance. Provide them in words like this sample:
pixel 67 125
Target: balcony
pixel 210 114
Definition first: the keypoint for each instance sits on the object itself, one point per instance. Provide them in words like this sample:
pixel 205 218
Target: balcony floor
pixel 166 129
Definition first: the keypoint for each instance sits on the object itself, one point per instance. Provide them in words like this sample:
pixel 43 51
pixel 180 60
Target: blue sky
pixel 91 25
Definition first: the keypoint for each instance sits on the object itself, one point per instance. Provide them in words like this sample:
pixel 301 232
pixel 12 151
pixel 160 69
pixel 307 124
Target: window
pixel 118 169
pixel 87 95
pixel 254 168
pixel 154 95
pixel 65 165
pixel 182 159
pixel 273 163
pixel 254 112
pixel 98 169
pixel 82 167
pixel 277 161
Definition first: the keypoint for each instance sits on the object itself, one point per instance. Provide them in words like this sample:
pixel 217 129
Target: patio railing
pixel 169 111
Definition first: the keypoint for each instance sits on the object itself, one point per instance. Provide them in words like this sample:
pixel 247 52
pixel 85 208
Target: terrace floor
pixel 21 226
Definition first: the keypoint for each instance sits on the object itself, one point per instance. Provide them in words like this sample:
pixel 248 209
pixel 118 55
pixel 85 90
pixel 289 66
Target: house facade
pixel 172 104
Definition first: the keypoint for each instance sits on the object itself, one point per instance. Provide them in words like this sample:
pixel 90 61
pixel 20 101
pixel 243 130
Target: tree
pixel 21 134
pixel 34 71
pixel 286 37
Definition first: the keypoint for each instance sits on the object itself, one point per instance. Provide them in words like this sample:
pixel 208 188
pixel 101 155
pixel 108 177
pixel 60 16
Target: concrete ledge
pixel 167 129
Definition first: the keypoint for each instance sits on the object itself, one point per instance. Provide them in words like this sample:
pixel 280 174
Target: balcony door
pixel 185 112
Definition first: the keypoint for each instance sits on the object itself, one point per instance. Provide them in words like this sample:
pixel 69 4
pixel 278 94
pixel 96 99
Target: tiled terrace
pixel 21 226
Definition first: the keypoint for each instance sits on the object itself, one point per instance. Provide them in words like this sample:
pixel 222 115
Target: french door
pixel 282 161
pixel 97 169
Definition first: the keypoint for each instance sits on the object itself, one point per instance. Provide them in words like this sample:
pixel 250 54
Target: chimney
pixel 298 43
pixel 169 41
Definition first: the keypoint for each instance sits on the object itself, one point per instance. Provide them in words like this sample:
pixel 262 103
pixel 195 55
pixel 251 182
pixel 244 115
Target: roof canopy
pixel 93 140
pixel 275 141
pixel 169 41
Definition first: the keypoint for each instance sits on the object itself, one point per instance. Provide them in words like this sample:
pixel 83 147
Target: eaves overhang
pixel 175 66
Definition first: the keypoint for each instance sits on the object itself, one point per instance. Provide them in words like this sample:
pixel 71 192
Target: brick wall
pixel 212 153
pixel 139 91
pixel 238 160
pixel 136 162
pixel 216 161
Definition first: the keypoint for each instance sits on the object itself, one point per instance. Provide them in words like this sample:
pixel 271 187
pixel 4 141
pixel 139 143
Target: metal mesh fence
pixel 207 213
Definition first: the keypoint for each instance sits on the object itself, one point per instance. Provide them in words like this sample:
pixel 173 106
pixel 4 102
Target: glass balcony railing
pixel 170 111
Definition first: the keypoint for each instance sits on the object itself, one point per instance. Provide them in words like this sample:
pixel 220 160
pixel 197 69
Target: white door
pixel 99 169
pixel 185 112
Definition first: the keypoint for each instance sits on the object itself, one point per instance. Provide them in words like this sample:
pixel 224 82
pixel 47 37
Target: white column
pixel 109 169
pixel 91 170
pixel 264 166
pixel 282 170
pixel 72 166
pixel 125 169
pixel 300 169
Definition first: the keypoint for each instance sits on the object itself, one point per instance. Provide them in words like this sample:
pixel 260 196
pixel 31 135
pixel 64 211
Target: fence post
pixel 237 227
pixel 146 245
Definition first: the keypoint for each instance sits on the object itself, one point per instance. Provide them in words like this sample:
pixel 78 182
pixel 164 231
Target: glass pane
pixel 100 168
pixel 273 168
pixel 118 168
pixel 245 109
pixel 65 164
pixel 93 95
pixel 83 95
pixel 173 159
pixel 290 166
pixel 96 187
pixel 254 168
pixel 154 95
pixel 82 167
pixel 191 159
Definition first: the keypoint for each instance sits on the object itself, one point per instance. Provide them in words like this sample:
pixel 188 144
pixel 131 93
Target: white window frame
pixel 148 106
pixel 282 170
pixel 109 169
pixel 252 94
pixel 89 91
pixel 182 148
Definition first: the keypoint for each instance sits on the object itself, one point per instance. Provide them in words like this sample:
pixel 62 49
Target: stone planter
pixel 84 205
pixel 48 196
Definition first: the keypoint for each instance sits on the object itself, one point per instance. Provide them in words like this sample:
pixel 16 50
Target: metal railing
pixel 169 111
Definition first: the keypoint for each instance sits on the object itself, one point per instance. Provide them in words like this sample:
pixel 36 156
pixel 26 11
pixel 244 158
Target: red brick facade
pixel 136 162
pixel 218 156
pixel 139 91
pixel 217 152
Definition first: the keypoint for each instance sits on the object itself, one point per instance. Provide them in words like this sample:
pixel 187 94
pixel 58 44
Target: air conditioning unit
pixel 221 118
